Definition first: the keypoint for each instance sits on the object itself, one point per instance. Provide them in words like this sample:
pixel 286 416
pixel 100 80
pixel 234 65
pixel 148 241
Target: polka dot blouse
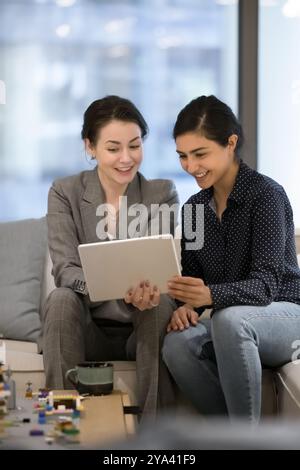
pixel 249 257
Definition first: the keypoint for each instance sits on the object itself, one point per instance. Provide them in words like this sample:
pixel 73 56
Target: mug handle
pixel 69 377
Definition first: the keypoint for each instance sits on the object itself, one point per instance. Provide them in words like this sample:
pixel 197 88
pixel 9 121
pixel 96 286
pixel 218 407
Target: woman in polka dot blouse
pixel 246 270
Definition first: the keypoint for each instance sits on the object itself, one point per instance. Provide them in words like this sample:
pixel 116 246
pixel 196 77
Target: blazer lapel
pixel 92 197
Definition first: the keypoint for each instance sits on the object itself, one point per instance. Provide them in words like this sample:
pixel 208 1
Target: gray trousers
pixel 71 336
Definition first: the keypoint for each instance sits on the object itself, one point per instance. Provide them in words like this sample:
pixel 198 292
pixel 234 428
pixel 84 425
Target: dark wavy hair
pixel 211 118
pixel 105 110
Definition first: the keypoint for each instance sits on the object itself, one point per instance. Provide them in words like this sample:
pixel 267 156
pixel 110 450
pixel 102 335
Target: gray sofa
pixel 20 322
pixel 25 281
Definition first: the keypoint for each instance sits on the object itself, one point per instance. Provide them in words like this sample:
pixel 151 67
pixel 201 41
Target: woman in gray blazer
pixel 74 328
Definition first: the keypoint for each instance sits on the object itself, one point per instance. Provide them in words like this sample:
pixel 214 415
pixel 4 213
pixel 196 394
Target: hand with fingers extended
pixel 144 296
pixel 190 290
pixel 182 318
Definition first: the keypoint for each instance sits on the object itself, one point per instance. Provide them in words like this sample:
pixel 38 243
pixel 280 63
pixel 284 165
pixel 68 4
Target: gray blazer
pixel 72 219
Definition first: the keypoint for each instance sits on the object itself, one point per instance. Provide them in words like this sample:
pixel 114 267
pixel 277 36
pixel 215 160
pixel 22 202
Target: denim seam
pixel 275 315
pixel 250 397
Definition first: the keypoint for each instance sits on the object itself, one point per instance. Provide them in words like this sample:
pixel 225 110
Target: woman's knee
pixel 174 346
pixel 180 345
pixel 62 302
pixel 155 319
pixel 231 321
pixel 165 309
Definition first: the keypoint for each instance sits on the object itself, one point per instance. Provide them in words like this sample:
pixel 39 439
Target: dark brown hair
pixel 109 108
pixel 212 118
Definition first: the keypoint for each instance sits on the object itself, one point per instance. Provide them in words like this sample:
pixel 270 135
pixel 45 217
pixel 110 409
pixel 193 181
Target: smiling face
pixel 206 160
pixel 118 152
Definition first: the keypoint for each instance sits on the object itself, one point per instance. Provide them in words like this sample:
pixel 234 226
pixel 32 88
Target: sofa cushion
pixel 21 346
pixel 288 387
pixel 26 361
pixel 22 255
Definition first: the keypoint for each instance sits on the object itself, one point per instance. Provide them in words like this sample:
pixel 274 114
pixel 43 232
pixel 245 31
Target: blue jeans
pixel 218 363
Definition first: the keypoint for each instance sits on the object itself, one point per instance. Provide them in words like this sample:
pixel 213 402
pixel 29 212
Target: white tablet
pixel 111 268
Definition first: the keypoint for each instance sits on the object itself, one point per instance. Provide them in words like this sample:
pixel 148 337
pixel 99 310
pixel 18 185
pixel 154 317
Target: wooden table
pixel 103 419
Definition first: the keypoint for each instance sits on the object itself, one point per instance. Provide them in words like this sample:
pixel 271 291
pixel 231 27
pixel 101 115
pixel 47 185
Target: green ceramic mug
pixel 93 378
